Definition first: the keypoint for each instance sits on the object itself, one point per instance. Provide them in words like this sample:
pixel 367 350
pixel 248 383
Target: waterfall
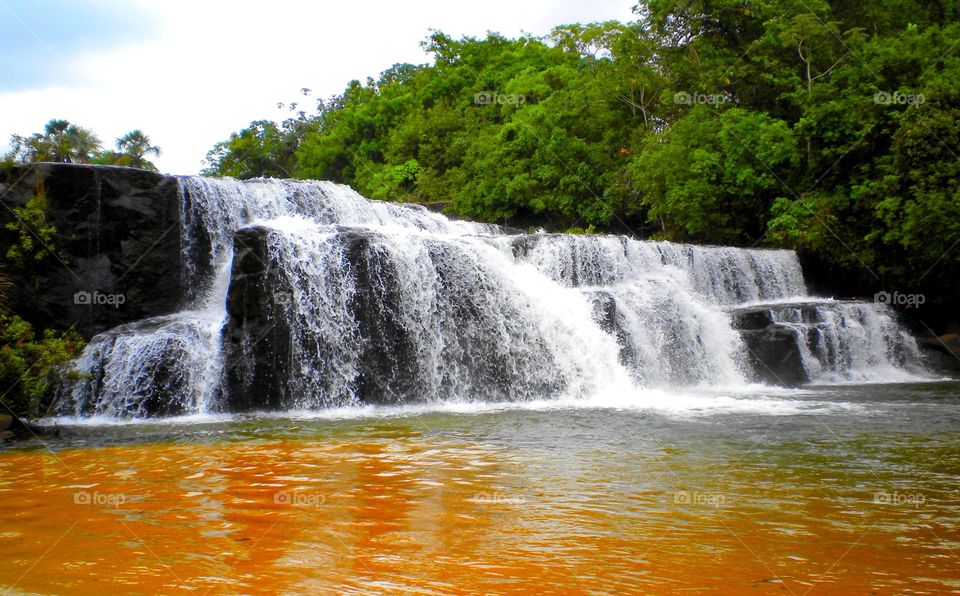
pixel 851 342
pixel 363 301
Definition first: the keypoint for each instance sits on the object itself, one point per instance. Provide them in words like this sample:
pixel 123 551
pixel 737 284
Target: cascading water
pixel 386 303
pixel 850 342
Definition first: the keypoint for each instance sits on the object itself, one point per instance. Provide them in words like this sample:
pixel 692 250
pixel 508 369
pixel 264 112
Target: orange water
pixel 389 509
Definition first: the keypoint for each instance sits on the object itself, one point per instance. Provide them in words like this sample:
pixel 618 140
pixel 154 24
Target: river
pixel 826 490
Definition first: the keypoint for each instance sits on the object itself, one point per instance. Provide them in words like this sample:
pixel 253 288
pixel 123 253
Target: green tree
pixel 60 141
pixel 134 147
pixel 263 149
pixel 775 122
pixel 713 178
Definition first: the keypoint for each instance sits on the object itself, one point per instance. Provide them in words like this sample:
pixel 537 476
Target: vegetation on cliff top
pixel 64 142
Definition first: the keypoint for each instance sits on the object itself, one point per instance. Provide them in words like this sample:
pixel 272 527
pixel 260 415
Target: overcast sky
pixel 190 72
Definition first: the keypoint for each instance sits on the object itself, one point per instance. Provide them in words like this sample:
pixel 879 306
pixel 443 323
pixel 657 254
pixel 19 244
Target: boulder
pixel 773 350
pixel 13 428
pixel 258 339
pixel 942 354
pixel 159 353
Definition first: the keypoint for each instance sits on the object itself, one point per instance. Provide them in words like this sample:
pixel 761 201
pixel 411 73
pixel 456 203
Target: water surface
pixel 832 490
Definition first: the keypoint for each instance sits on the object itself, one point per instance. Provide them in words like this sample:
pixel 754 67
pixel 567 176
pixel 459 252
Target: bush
pixel 31 363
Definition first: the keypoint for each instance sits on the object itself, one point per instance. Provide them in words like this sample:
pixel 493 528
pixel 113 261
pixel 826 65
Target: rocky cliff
pixel 115 257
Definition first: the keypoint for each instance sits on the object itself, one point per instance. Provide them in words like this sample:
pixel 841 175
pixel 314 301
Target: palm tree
pixel 54 144
pixel 61 142
pixel 83 144
pixel 134 146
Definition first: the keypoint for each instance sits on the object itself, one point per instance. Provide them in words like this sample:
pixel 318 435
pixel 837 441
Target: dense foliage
pixel 64 142
pixel 827 126
pixel 30 361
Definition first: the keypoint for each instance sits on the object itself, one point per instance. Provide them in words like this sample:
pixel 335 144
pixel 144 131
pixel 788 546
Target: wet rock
pixel 773 350
pixel 388 374
pixel 258 339
pixel 941 354
pixel 606 315
pixel 160 345
pixel 15 428
pixel 257 335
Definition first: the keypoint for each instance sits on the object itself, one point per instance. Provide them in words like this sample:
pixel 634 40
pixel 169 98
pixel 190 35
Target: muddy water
pixel 832 491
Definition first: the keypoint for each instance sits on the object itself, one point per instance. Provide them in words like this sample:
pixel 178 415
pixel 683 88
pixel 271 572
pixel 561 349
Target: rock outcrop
pixel 148 351
pixel 773 349
pixel 118 253
pixel 257 337
pixel 258 340
pixel 942 353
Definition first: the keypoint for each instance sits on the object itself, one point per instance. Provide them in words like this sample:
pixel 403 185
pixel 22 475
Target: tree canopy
pixel 64 142
pixel 826 126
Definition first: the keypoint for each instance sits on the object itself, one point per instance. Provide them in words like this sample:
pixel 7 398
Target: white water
pixel 464 312
pixel 852 342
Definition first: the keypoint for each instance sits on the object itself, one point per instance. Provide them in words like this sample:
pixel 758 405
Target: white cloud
pixel 212 67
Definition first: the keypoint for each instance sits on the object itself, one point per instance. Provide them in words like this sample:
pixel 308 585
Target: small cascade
pixel 303 294
pixel 724 274
pixel 393 315
pixel 161 366
pixel 851 342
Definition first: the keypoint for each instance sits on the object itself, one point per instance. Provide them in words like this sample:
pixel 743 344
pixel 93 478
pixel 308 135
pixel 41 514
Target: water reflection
pixel 399 506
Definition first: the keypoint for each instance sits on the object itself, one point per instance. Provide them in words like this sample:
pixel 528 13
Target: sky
pixel 190 72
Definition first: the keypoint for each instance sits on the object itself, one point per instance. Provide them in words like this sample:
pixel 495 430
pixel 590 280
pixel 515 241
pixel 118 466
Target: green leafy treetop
pixel 826 126
pixel 133 147
pixel 63 142
pixel 60 142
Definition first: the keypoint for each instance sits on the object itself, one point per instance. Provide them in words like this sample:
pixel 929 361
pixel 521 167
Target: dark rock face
pixel 773 350
pixel 388 374
pixel 14 428
pixel 257 338
pixel 259 344
pixel 607 316
pixel 942 354
pixel 118 230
